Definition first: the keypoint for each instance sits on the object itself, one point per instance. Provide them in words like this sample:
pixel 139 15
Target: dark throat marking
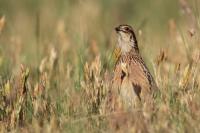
pixel 123 74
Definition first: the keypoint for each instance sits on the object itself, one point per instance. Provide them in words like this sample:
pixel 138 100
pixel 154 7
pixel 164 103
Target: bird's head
pixel 126 38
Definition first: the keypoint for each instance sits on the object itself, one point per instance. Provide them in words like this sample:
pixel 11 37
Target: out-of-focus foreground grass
pixel 56 62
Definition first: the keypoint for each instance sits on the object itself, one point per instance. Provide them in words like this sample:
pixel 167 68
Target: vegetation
pixel 56 62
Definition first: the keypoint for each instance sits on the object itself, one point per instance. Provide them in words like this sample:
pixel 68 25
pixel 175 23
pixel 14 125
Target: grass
pixel 56 62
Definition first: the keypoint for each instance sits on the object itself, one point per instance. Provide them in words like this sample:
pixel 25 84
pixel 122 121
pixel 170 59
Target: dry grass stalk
pixel 94 91
pixel 192 25
pixel 2 23
pixel 17 115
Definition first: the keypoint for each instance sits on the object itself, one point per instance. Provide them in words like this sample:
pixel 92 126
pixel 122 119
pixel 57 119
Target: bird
pixel 132 82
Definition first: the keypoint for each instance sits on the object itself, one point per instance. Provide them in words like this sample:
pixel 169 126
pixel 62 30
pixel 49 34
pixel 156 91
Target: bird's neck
pixel 130 50
pixel 128 47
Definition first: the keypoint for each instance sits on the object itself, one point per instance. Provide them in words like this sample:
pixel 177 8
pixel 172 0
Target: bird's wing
pixel 140 75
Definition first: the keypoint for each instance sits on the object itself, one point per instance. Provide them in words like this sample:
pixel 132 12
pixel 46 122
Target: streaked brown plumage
pixel 132 81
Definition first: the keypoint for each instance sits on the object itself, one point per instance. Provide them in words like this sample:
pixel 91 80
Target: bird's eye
pixel 126 28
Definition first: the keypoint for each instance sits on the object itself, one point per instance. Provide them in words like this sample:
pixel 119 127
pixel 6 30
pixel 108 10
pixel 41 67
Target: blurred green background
pixel 86 20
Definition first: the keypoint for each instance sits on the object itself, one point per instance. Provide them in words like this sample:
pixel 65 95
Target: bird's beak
pixel 117 29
